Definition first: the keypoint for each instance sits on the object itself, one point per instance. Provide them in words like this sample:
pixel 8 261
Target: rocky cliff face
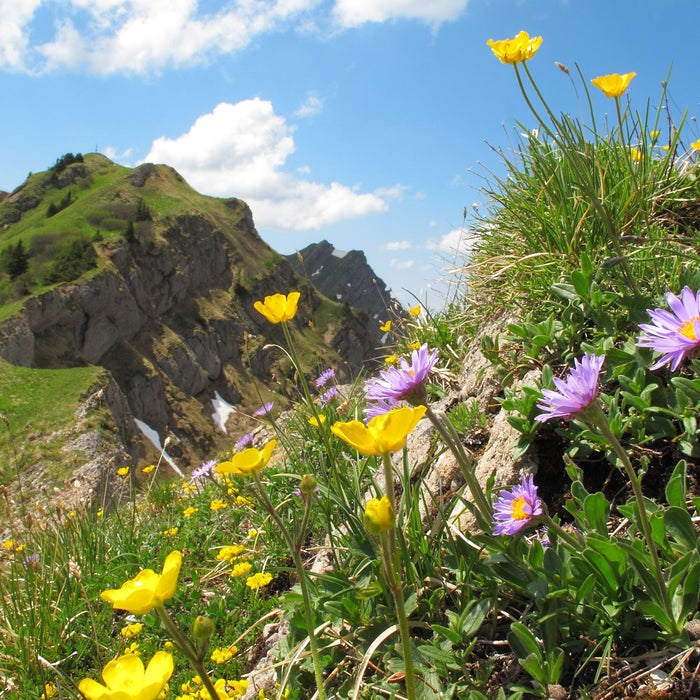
pixel 346 277
pixel 170 315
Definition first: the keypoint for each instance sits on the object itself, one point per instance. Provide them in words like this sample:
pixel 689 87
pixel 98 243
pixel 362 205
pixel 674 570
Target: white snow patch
pixel 222 411
pixel 153 437
pixel 349 285
pixel 338 296
pixel 339 253
pixel 318 272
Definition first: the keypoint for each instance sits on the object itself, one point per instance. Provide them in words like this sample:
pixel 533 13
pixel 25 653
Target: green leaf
pixel 523 642
pixel 656 612
pixel 440 655
pixel 675 488
pixel 533 665
pixel 679 525
pixel 596 509
pixel 448 633
pixel 581 284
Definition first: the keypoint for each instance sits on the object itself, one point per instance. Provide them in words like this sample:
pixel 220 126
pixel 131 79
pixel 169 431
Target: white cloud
pixel 352 13
pixel 105 37
pixel 457 240
pixel 239 150
pixel 113 154
pixel 312 105
pixel 397 264
pixel 137 36
pixel 397 245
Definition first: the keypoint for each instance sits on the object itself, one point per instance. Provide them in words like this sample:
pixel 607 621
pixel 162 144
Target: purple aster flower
pixel 203 471
pixel 326 375
pixel 328 395
pixel 264 409
pixel 675 333
pixel 245 440
pixel 516 508
pixel 380 408
pixel 574 394
pixel 403 382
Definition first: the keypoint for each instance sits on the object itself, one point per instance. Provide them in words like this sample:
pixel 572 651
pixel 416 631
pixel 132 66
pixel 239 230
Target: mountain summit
pixel 133 271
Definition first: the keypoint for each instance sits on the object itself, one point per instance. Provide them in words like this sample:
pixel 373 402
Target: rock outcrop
pixel 170 311
pixel 347 277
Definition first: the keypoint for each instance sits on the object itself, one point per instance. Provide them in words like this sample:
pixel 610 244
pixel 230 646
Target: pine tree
pixel 18 263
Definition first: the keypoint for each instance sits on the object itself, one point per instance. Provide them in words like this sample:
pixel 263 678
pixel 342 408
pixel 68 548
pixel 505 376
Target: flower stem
pixel 444 427
pixel 188 650
pixel 392 571
pixel 597 418
pixel 294 545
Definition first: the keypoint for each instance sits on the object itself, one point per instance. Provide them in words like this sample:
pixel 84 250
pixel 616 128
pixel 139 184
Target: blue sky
pixel 364 122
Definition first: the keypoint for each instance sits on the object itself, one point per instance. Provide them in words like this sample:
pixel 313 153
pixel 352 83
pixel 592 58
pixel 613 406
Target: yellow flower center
pixel 688 328
pixel 521 509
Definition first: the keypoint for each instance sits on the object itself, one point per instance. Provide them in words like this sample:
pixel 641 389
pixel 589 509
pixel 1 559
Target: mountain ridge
pixel 167 307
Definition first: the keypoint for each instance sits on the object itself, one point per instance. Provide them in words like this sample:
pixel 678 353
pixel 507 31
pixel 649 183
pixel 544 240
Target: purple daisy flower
pixel 245 440
pixel 203 471
pixel 328 395
pixel 675 333
pixel 516 508
pixel 264 409
pixel 401 382
pixel 380 408
pixel 325 376
pixel 575 393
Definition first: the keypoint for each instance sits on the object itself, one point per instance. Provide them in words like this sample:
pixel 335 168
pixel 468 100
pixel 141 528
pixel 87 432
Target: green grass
pixel 38 403
pixel 491 618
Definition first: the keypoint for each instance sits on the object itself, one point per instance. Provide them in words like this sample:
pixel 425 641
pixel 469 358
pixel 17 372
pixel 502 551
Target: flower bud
pixel 202 628
pixel 307 484
pixel 379 515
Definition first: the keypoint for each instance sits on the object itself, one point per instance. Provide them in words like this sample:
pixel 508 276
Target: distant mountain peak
pixel 347 277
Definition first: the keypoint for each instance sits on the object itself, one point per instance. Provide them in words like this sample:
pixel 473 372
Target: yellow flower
pixel 218 504
pixel 317 421
pixel 99 513
pixel 125 678
pixel 252 533
pixel 189 512
pixel 171 531
pixel 415 311
pixel 148 589
pixel 123 471
pixel 187 488
pixel 384 433
pixel 636 155
pixel 243 501
pixel 50 691
pixel 278 308
pixel 258 580
pixel 695 145
pixel 169 645
pixel 391 359
pixel 247 462
pixel 386 327
pixel 230 552
pixel 133 648
pixel 653 135
pixel 379 515
pixel 613 85
pixel 8 544
pixel 415 346
pixel 241 568
pixel 516 50
pixel 148 469
pixel 131 631
pixel 222 655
